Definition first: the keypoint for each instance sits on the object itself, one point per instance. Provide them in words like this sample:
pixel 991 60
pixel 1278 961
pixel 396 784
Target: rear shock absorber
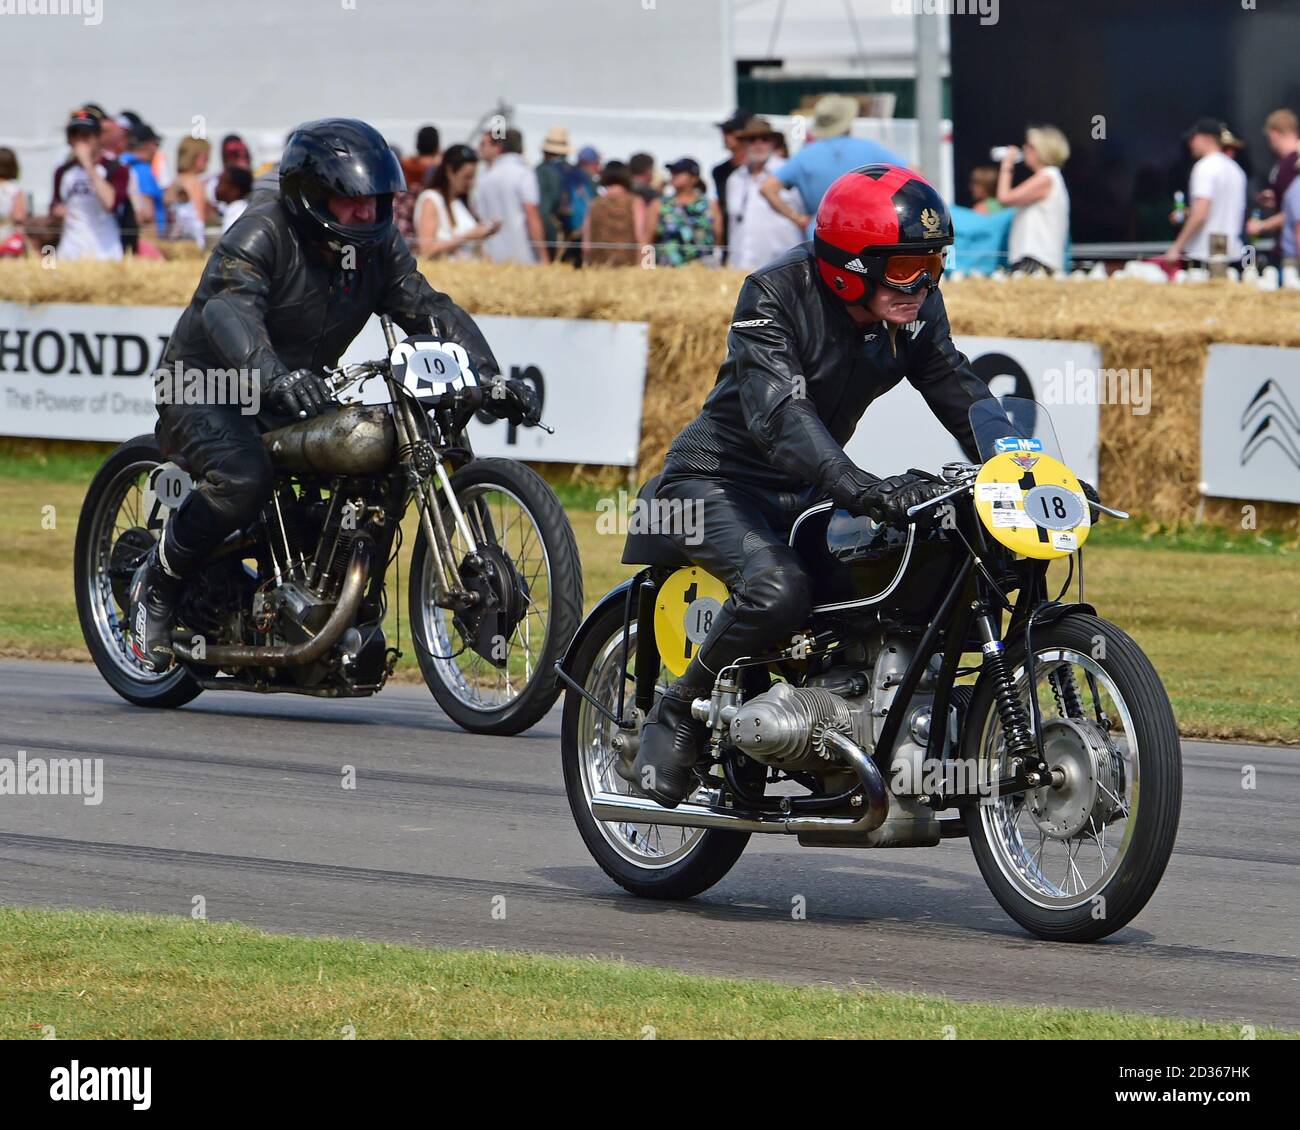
pixel 1016 726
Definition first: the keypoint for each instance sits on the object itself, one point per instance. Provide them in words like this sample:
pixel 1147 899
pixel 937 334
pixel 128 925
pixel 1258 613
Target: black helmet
pixel 338 157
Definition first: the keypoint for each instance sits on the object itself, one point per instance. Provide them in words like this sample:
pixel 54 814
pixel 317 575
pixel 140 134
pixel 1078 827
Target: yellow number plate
pixel 1032 504
pixel 686 610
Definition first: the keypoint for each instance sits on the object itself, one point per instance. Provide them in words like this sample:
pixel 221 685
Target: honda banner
pixel 74 371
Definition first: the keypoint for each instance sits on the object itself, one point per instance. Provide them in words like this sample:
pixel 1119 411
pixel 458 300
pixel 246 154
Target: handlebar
pixel 913 511
pixel 345 375
pixel 1123 514
pixel 339 379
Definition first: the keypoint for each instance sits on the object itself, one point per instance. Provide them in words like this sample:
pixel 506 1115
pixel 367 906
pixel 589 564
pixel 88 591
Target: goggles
pixel 908 271
pixel 911 271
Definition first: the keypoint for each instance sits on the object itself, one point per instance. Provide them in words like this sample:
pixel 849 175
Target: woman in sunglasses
pixel 817 335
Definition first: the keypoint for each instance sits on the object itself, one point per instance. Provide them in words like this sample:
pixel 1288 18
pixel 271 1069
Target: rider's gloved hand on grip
pixel 514 400
pixel 888 500
pixel 301 393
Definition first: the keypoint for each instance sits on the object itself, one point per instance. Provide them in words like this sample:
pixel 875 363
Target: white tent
pixel 651 75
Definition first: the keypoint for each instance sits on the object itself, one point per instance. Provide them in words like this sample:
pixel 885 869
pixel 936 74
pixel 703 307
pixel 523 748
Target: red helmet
pixel 881 223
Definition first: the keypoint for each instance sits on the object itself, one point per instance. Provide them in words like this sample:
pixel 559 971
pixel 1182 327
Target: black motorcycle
pixel 296 601
pixel 939 691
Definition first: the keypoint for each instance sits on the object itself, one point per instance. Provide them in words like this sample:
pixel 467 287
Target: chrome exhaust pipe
pixel 298 654
pixel 875 800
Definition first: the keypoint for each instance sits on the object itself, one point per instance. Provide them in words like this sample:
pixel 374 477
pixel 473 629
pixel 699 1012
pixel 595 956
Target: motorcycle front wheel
pixel 1076 860
pixel 521 529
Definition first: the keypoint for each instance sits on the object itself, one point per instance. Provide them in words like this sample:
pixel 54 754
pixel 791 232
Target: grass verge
pixel 100 975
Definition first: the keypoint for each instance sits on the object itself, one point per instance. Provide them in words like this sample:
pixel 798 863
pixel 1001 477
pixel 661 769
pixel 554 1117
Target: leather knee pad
pixel 236 487
pixel 229 497
pixel 772 601
pixel 775 587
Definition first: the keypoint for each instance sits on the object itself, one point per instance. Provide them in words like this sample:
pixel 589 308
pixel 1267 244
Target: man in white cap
pixel 816 166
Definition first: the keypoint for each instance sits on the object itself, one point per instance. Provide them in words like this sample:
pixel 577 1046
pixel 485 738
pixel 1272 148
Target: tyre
pixel 112 537
pixel 1078 859
pixel 514 514
pixel 650 860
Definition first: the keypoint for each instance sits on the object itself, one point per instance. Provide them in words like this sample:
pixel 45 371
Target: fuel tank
pixel 856 563
pixel 359 439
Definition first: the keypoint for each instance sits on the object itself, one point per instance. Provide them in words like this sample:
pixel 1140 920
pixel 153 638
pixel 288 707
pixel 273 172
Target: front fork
pixel 422 461
pixel 1019 729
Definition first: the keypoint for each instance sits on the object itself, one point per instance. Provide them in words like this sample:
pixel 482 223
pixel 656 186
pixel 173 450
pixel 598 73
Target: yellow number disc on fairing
pixel 685 611
pixel 1033 504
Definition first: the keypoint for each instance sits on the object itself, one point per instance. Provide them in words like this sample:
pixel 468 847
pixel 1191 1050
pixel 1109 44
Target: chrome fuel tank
pixel 359 439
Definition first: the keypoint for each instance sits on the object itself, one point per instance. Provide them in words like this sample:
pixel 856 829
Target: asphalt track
pixel 238 798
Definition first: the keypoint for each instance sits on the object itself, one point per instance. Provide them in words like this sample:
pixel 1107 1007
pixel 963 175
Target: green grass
pixel 1216 612
pixel 100 975
pixel 1193 539
pixel 30 461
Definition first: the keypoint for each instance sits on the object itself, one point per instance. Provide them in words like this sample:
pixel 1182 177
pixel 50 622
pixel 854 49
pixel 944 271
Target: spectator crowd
pixel 119 192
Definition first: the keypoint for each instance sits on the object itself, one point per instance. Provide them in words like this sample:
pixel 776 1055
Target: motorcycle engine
pixel 785 727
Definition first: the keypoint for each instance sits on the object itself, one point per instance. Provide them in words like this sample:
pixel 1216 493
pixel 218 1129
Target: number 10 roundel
pixel 429 369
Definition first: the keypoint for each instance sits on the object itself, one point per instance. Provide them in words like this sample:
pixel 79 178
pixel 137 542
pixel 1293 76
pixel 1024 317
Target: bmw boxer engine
pixel 786 727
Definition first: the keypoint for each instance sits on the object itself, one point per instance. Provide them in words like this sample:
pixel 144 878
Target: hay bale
pixel 1148 462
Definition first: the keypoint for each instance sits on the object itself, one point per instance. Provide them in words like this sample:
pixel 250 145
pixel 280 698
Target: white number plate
pixel 167 488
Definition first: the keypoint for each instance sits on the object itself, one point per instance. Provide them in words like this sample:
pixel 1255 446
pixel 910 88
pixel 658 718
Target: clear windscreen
pixel 1012 423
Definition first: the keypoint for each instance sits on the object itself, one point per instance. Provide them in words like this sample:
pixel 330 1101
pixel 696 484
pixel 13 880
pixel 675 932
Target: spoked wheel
pixel 112 539
pixel 493 671
pixel 652 860
pixel 1079 858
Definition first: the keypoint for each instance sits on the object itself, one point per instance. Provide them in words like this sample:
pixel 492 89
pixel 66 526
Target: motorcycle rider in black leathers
pixel 283 294
pixel 817 335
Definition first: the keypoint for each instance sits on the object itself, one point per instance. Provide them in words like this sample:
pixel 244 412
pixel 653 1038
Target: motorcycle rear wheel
pixel 111 507
pixel 650 860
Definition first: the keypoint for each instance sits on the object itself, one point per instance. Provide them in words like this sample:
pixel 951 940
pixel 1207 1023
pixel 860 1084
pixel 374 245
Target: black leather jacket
pixel 270 302
pixel 798 376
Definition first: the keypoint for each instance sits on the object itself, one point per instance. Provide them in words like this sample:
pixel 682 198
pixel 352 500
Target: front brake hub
pixel 1088 780
pixel 502 601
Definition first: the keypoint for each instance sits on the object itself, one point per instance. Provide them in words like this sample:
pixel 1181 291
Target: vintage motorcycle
pixel 296 601
pixel 939 691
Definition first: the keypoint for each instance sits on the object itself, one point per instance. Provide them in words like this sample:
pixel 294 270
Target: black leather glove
pixel 514 400
pixel 888 500
pixel 1090 492
pixel 301 393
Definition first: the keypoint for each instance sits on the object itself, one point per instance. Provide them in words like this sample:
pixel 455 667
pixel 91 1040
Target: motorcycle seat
pixel 650 548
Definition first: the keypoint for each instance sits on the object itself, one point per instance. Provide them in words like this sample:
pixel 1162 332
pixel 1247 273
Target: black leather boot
pixel 155 592
pixel 671 744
